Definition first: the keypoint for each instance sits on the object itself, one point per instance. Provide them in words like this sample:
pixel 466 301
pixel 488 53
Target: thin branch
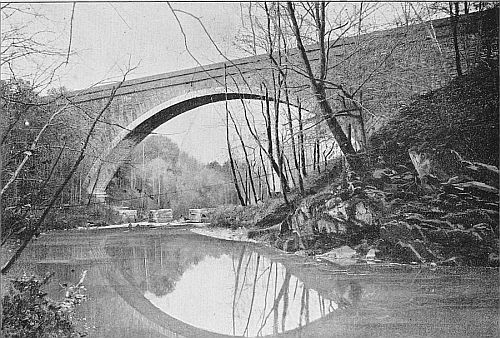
pixel 70 32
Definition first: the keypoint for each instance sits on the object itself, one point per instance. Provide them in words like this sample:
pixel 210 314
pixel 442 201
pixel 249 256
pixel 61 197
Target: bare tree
pixel 454 17
pixel 292 141
pixel 231 161
pixel 246 156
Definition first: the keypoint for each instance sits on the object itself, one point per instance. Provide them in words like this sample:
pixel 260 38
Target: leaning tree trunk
pixel 319 92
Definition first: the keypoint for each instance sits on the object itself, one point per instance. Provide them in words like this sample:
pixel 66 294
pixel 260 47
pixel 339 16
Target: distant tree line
pixel 158 174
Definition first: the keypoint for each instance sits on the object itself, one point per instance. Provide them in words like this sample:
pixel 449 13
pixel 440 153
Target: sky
pixel 107 37
pixel 202 133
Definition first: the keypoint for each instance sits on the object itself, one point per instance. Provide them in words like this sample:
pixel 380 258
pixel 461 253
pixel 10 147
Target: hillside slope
pixel 446 214
pixel 462 116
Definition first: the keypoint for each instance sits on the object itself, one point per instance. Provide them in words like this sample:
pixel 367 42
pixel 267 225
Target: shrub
pixel 28 312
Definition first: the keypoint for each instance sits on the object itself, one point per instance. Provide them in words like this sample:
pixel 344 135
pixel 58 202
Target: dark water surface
pixel 173 283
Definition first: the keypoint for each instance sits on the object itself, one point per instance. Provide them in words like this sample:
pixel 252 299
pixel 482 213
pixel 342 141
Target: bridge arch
pixel 104 169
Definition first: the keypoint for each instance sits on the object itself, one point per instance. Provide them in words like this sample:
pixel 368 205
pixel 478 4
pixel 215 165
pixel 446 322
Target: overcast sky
pixel 106 35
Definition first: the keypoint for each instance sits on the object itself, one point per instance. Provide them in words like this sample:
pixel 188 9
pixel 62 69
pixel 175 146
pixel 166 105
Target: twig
pixel 70 32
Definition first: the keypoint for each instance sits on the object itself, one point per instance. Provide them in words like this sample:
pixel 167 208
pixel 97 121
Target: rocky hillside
pixel 429 193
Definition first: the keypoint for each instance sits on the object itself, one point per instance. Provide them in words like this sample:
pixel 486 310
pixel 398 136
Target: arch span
pixel 114 156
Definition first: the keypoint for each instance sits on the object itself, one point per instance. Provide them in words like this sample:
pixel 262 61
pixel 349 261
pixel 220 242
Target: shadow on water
pixel 175 283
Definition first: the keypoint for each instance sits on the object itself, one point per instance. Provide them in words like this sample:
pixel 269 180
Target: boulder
pixel 422 164
pixel 363 213
pixel 303 225
pixel 339 211
pixel 371 255
pixel 331 227
pixel 408 253
pixel 291 245
pixel 344 255
pixel 469 217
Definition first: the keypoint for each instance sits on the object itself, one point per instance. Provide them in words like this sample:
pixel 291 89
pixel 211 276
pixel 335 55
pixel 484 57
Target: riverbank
pixel 238 235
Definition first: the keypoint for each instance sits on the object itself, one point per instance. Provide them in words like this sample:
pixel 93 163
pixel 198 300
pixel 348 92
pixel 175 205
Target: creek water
pixel 174 283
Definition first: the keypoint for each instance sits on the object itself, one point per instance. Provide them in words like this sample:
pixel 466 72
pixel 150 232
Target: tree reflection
pixel 155 265
pixel 255 295
pixel 292 301
pixel 162 285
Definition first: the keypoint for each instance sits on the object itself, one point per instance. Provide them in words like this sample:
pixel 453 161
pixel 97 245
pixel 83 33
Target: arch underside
pixel 104 169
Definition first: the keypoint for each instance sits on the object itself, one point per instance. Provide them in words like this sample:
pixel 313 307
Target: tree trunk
pixel 319 92
pixel 292 138
pixel 247 161
pixel 268 186
pixel 231 161
pixel 314 156
pixel 302 152
pixel 454 31
pixel 287 164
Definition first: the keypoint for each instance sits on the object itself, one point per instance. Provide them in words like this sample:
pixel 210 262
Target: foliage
pixel 28 312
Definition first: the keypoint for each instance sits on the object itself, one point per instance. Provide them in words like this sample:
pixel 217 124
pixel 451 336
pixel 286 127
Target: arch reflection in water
pixel 234 292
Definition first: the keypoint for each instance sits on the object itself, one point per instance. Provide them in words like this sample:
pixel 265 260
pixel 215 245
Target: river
pixel 170 282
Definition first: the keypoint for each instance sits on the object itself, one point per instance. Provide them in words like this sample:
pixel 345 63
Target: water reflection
pixel 171 283
pixel 235 290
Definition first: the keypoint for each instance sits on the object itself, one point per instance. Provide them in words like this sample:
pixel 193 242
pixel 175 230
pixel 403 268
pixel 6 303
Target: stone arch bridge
pixel 388 66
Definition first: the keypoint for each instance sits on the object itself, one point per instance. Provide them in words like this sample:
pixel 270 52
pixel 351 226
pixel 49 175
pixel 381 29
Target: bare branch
pixel 70 32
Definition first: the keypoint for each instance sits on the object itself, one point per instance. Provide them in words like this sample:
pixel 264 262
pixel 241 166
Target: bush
pixel 232 216
pixel 28 312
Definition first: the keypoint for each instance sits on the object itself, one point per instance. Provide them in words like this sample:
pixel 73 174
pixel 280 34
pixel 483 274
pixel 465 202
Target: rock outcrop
pixel 408 215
